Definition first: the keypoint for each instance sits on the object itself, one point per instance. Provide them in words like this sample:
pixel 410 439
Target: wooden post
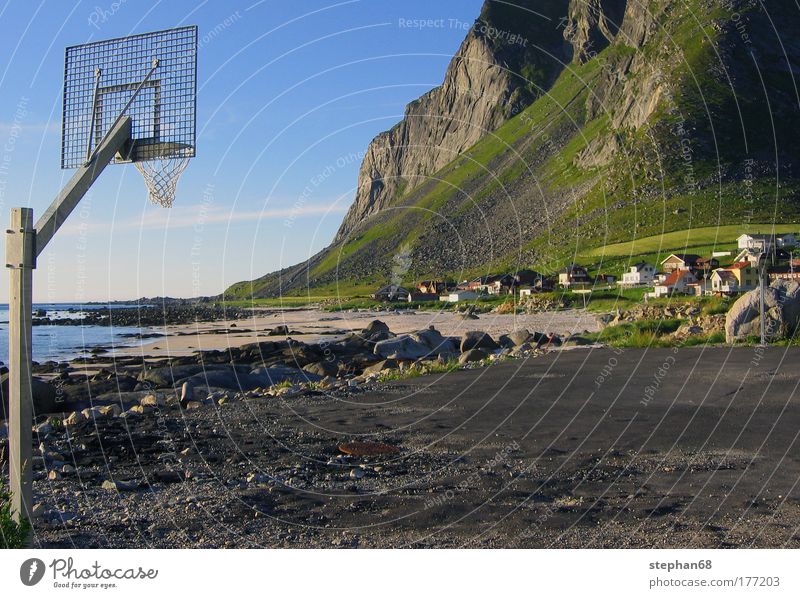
pixel 21 260
pixel 23 245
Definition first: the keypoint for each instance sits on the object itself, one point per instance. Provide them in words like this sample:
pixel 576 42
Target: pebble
pixel 119 485
pixel 54 475
pixel 356 474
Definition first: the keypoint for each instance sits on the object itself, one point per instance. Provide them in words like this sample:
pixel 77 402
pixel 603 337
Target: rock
pixel 111 410
pixel 44 396
pixel 279 331
pixel 54 475
pixel 575 340
pixel 67 468
pixel 190 405
pixel 170 376
pixel 322 368
pixel 522 349
pixel 167 476
pixel 152 401
pixel 42 429
pixel 375 327
pixel 187 393
pixel 782 313
pixel 119 485
pixel 357 473
pixel 519 337
pixel 281 373
pixel 478 340
pixel 403 348
pixel 93 413
pixel 74 418
pixel 38 510
pixel 439 345
pixel 386 364
pixel 472 355
pixel 257 478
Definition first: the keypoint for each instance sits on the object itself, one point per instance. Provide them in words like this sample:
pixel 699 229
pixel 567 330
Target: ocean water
pixel 62 343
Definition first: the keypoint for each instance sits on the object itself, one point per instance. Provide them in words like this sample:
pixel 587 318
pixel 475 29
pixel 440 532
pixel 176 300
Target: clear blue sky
pixel 289 96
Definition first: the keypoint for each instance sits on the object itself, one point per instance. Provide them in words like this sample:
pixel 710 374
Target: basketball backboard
pixel 151 77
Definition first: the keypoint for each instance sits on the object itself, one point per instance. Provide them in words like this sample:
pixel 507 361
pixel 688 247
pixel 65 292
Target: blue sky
pixel 289 96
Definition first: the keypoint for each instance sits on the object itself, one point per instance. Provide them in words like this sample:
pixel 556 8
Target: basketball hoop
pixel 161 174
pixel 149 77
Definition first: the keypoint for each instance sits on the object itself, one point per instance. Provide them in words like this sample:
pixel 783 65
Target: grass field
pixel 694 240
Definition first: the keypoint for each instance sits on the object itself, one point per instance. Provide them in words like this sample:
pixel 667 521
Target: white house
pixel 764 243
pixel 677 282
pixel 459 296
pixel 640 275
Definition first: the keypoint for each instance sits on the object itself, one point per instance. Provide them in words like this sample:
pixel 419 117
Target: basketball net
pixel 161 177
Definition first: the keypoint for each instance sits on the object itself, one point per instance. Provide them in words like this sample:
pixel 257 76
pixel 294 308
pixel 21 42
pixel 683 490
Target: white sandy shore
pixel 314 326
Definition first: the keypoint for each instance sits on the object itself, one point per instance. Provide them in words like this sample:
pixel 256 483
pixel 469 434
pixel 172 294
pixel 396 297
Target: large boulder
pixel 442 346
pixel 781 310
pixel 515 339
pixel 44 397
pixel 478 340
pixel 375 327
pixel 403 348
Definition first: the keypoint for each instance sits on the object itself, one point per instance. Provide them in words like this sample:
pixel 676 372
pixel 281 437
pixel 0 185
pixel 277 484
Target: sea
pixel 62 343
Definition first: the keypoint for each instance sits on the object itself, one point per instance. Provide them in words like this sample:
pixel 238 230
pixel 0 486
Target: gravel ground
pixel 557 451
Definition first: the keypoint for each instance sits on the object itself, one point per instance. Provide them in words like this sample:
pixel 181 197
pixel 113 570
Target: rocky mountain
pixel 564 125
pixel 495 73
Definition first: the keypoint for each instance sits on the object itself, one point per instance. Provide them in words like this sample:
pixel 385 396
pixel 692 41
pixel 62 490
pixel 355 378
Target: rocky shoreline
pixel 142 316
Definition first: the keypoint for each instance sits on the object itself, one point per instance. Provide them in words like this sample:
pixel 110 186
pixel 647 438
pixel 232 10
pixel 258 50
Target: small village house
pixel 766 243
pixel 434 287
pixel 738 278
pixel 701 266
pixel 460 295
pixel 574 275
pixel 641 274
pixel 677 281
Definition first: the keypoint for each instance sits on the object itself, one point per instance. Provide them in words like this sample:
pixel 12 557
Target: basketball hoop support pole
pixel 23 244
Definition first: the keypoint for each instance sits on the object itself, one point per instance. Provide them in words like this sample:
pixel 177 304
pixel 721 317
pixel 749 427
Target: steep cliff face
pixel 507 59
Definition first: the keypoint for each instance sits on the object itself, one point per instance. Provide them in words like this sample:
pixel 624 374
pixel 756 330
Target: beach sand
pixel 313 326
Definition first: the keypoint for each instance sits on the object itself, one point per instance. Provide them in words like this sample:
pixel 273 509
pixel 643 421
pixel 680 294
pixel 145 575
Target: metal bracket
pixel 21 248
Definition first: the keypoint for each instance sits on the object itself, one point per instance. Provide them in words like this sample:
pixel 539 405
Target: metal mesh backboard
pixel 100 78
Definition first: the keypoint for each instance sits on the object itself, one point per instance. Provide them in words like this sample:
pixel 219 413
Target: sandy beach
pixel 313 326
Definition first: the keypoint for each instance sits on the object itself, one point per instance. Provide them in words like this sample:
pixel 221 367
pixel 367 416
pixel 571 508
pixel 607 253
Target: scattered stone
pixel 357 473
pixel 153 400
pixel 74 418
pixel 472 355
pixel 386 364
pixel 111 410
pixel 54 475
pixel 191 405
pixel 119 485
pixel 42 429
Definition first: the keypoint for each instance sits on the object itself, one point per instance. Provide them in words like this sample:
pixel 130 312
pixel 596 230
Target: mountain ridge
pixel 652 120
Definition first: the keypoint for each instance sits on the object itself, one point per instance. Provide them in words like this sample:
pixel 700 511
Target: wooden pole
pixel 23 245
pixel 21 260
